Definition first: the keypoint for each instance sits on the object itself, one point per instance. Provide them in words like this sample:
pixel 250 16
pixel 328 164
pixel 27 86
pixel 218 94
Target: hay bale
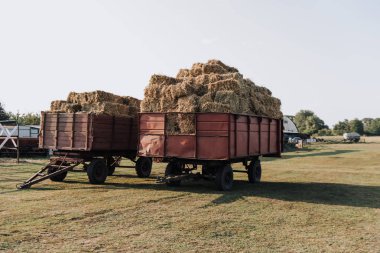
pixel 188 104
pixel 162 80
pixel 150 105
pixel 208 87
pixel 108 108
pixel 196 69
pixel 228 84
pixel 172 124
pixel 214 107
pixel 64 106
pixel 217 62
pixel 181 90
pixel 183 73
pixel 167 105
pixel 213 68
pixel 186 123
pixel 131 101
pixel 208 97
pixel 98 102
pixel 93 97
pixel 229 98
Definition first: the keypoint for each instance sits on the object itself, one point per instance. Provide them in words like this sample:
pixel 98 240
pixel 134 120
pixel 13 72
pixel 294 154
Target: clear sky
pixel 317 55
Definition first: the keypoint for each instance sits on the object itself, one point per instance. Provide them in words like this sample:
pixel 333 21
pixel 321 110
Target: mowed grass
pixel 323 199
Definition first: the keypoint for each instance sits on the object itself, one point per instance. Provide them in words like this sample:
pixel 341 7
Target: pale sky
pixel 317 55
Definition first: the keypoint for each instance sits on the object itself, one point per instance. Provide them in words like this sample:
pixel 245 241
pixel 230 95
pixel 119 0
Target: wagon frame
pixel 98 142
pixel 219 139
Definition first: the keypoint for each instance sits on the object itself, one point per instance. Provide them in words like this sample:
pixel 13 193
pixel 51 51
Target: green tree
pixel 325 132
pixel 26 118
pixel 308 123
pixel 374 127
pixel 366 124
pixel 356 126
pixel 342 127
pixel 3 114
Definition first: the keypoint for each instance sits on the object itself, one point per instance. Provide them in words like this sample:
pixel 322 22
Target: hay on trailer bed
pixel 208 87
pixel 98 102
pixel 64 106
pixel 93 97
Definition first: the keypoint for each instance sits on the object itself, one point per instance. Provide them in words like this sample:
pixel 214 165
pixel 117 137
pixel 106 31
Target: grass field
pixel 323 199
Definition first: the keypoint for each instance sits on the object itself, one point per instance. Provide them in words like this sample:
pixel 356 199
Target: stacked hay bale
pixel 207 87
pixel 98 102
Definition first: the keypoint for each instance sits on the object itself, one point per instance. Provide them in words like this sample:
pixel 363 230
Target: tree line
pixel 309 123
pixel 22 119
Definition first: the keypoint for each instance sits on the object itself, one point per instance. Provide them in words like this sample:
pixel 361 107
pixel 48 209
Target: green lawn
pixel 323 199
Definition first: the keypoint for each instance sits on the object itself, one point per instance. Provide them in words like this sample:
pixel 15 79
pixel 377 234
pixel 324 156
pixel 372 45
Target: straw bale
pixel 208 87
pixel 172 124
pixel 93 97
pixel 196 69
pixel 208 97
pixel 217 62
pixel 229 98
pixel 183 73
pixel 131 101
pixel 64 106
pixel 150 104
pixel 162 80
pixel 213 68
pixel 186 123
pixel 228 84
pixel 182 89
pixel 188 104
pixel 214 107
pixel 167 105
pixel 108 108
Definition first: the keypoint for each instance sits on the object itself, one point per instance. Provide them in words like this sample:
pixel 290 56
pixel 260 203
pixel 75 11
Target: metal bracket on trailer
pixel 41 175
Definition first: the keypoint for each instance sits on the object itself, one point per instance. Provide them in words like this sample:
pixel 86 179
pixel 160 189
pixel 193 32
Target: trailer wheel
pixel 143 167
pixel 173 169
pixel 224 178
pixel 97 171
pixel 254 172
pixel 59 177
pixel 111 165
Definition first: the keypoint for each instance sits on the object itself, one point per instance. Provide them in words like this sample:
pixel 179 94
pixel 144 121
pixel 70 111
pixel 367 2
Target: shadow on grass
pixel 326 153
pixel 317 193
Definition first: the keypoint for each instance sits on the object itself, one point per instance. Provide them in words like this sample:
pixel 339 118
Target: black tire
pixel 111 165
pixel 173 169
pixel 143 167
pixel 224 178
pixel 59 177
pixel 97 171
pixel 254 172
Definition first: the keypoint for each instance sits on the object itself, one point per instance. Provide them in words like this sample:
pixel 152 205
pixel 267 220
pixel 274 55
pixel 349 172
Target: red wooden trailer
pixel 96 141
pixel 218 140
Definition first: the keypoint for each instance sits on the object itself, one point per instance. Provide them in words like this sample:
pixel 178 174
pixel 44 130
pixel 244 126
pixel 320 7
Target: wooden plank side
pixel 65 131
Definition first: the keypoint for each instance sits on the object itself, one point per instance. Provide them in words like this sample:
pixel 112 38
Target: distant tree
pixel 342 127
pixel 373 127
pixel 308 123
pixel 325 132
pixel 356 126
pixel 26 118
pixel 366 124
pixel 3 114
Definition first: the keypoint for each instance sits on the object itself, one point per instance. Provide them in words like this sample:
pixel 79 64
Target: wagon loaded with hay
pixel 95 129
pixel 209 116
